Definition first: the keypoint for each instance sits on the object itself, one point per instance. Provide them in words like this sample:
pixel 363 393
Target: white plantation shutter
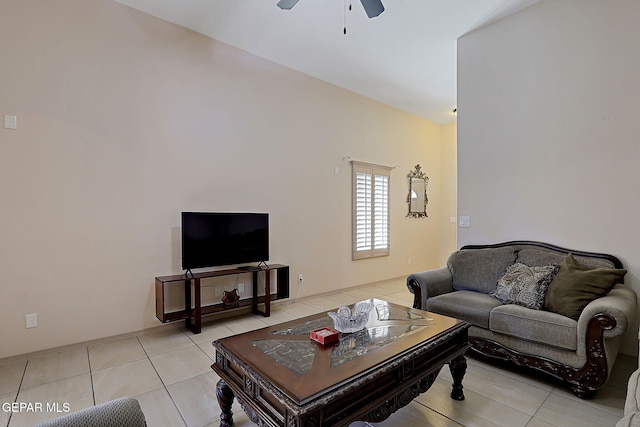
pixel 370 210
pixel 362 212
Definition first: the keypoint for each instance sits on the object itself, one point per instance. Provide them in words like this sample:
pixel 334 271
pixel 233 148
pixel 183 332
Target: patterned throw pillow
pixel 524 285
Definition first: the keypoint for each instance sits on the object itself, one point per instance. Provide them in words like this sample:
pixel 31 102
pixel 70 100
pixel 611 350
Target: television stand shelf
pixel 193 315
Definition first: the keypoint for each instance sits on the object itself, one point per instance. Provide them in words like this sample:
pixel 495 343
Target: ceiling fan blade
pixel 287 4
pixel 372 7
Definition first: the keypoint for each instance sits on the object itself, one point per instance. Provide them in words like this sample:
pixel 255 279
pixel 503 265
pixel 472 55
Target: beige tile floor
pixel 169 373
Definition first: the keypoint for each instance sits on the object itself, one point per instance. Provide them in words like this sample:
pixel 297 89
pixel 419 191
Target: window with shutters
pixel 370 210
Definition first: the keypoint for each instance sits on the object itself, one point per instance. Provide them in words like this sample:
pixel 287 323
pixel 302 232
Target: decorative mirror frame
pixel 415 176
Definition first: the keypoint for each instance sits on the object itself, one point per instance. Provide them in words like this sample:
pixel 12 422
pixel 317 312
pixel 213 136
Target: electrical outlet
pixel 10 121
pixel 300 278
pixel 32 320
pixel 240 287
pixel 409 261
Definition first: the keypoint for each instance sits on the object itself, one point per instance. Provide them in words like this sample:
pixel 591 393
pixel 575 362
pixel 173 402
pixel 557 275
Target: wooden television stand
pixel 193 315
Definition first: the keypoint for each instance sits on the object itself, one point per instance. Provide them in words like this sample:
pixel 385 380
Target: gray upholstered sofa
pixel 122 412
pixel 578 352
pixel 632 402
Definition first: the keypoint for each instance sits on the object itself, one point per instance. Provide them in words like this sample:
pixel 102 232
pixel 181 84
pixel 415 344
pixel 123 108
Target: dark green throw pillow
pixel 575 286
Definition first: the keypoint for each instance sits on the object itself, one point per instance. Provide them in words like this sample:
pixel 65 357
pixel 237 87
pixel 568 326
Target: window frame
pixel 374 246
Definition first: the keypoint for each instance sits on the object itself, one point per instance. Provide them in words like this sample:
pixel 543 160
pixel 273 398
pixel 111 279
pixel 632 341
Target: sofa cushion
pixel 474 307
pixel 479 269
pixel 524 285
pixel 576 285
pixel 534 325
pixel 536 257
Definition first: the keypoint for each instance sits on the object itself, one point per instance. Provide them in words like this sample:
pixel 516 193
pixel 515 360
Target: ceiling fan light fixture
pixel 287 4
pixel 372 7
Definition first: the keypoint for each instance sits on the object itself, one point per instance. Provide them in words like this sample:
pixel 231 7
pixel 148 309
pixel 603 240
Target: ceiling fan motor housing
pixel 373 8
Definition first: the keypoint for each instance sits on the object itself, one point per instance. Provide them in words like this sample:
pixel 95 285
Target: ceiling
pixel 405 58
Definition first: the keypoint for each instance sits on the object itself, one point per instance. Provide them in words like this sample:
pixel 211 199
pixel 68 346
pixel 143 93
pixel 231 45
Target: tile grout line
pixel 93 389
pixel 15 400
pixel 540 407
pixel 437 412
pixel 164 386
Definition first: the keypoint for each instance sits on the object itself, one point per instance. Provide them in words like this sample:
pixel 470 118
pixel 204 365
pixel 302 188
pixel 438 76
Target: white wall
pixel 548 130
pixel 449 192
pixel 124 121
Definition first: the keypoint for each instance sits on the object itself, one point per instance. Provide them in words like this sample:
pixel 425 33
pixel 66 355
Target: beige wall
pixel 124 121
pixel 548 130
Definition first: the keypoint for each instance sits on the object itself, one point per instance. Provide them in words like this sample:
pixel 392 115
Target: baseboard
pixel 40 353
pixel 169 326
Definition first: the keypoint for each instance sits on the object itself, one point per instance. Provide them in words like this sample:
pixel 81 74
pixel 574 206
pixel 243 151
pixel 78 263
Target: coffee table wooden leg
pixel 458 367
pixel 225 400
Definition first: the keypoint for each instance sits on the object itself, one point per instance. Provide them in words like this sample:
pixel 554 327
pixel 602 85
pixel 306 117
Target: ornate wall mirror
pixel 417 198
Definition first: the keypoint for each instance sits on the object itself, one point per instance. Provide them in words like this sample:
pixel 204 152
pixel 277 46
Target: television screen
pixel 215 238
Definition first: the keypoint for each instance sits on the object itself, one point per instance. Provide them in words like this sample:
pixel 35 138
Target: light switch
pixel 10 122
pixel 465 221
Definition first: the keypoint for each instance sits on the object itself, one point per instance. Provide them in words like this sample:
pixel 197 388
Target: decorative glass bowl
pixel 346 320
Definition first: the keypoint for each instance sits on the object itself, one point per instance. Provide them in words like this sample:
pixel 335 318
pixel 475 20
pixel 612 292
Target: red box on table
pixel 325 335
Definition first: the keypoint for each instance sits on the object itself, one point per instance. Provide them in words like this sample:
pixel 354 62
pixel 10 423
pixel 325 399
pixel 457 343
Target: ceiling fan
pixel 372 7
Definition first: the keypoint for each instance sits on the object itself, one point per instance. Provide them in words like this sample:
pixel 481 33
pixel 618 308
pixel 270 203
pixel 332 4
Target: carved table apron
pixel 283 378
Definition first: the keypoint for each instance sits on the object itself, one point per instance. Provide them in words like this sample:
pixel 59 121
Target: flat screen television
pixel 212 239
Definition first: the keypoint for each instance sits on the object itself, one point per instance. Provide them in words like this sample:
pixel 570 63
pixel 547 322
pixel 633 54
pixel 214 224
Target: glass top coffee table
pixel 281 377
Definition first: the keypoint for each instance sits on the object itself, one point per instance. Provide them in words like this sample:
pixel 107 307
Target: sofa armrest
pixel 619 304
pixel 631 405
pixel 633 394
pixel 122 412
pixel 428 284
